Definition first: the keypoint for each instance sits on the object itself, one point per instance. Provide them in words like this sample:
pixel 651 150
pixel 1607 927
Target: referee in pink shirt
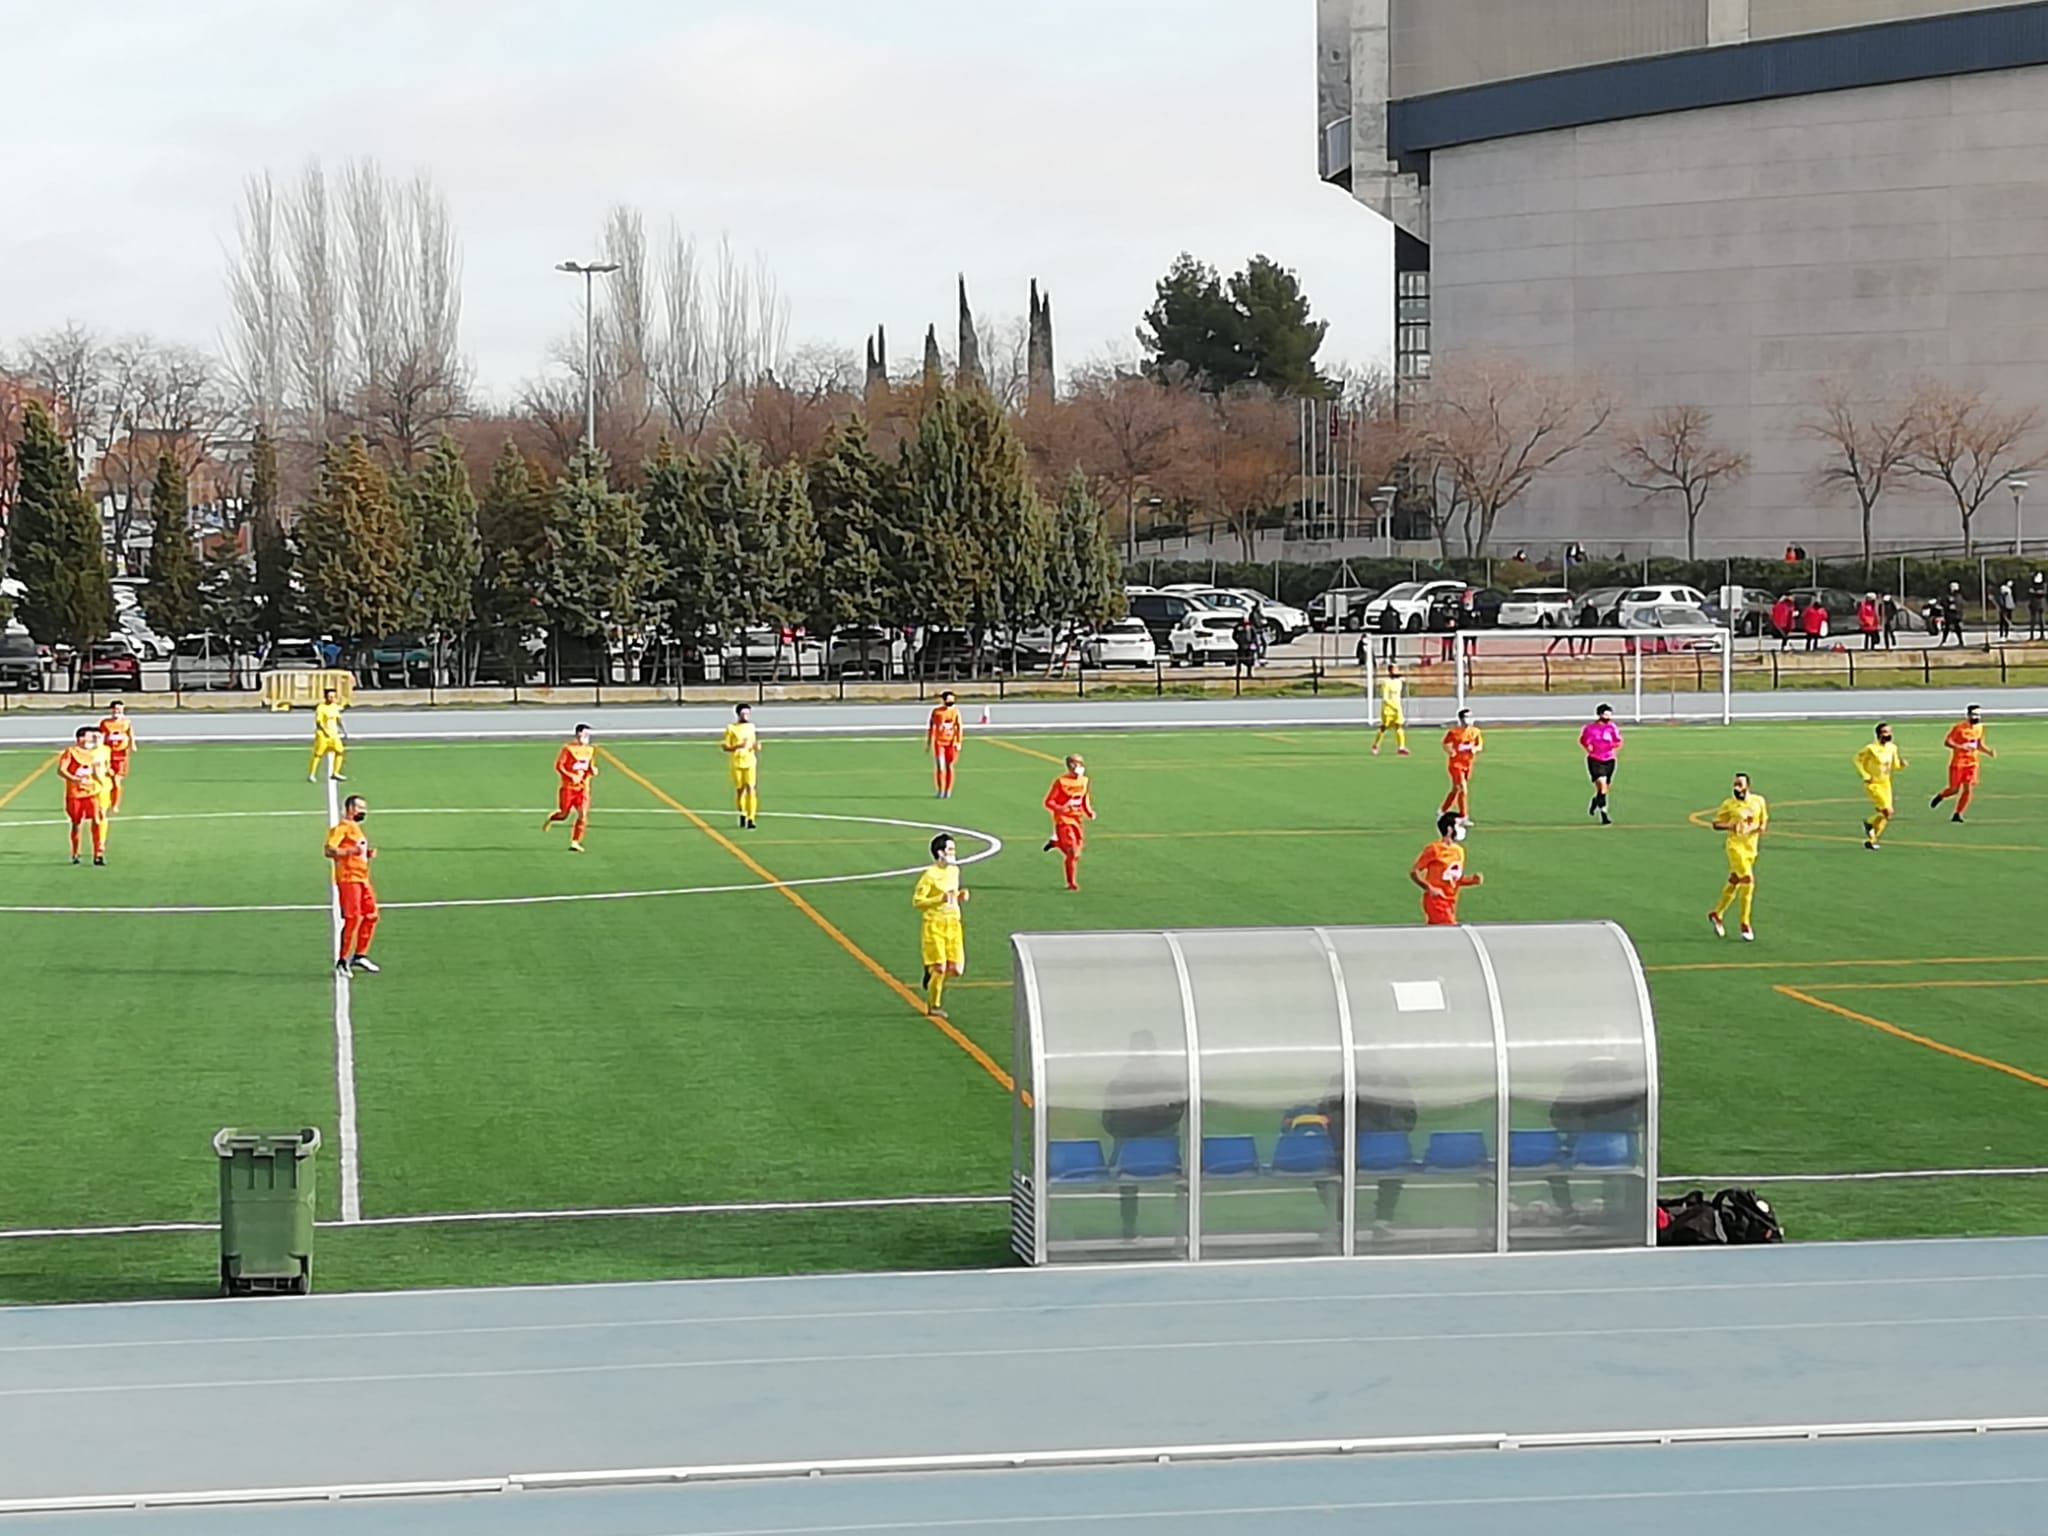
pixel 1602 740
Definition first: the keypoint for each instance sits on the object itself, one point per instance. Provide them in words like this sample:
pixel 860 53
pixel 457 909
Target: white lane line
pixel 1596 1333
pixel 344 1049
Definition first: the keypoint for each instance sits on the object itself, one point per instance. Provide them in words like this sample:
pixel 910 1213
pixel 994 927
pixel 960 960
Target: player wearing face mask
pixel 938 899
pixel 1440 872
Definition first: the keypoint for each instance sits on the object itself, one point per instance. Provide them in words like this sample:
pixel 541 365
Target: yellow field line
pixel 1904 986
pixel 1794 965
pixel 1906 1034
pixel 1011 746
pixel 951 984
pixel 34 773
pixel 825 924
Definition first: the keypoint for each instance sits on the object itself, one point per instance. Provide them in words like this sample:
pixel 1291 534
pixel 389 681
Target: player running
pixel 1875 764
pixel 1463 743
pixel 1965 743
pixel 942 736
pixel 1392 717
pixel 117 735
pixel 742 747
pixel 349 850
pixel 938 898
pixel 1071 805
pixel 1440 872
pixel 575 767
pixel 1745 817
pixel 1601 742
pixel 330 739
pixel 87 781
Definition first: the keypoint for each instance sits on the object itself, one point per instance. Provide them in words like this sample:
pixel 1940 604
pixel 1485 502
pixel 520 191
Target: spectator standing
pixel 2005 607
pixel 2037 607
pixel 1781 621
pixel 1952 612
pixel 1814 621
pixel 1891 621
pixel 1390 630
pixel 1246 635
pixel 1868 619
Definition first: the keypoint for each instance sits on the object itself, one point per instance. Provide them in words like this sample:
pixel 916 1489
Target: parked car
pixel 397 661
pixel 867 650
pixel 1349 601
pixel 763 651
pixel 1162 612
pixel 1410 600
pixel 1602 600
pixel 150 645
pixel 1283 622
pixel 1636 599
pixel 1120 643
pixel 1204 635
pixel 295 656
pixel 1755 617
pixel 1477 608
pixel 1838 603
pixel 111 663
pixel 21 663
pixel 202 663
pixel 1537 607
pixel 1674 616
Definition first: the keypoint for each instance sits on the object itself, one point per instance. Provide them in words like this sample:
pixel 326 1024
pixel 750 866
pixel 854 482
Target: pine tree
pixel 599 570
pixel 1084 576
pixel 228 596
pixel 55 536
pixel 674 502
pixel 853 497
pixel 276 602
pixel 745 562
pixel 441 517
pixel 355 555
pixel 512 538
pixel 171 599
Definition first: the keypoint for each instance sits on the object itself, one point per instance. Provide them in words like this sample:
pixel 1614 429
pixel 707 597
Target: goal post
pixel 1678 672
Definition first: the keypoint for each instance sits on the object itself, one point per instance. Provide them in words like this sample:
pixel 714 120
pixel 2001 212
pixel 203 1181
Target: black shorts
pixel 1597 770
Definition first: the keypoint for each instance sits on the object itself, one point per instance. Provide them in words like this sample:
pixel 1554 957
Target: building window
pixel 1412 285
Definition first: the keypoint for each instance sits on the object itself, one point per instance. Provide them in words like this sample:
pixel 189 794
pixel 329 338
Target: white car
pixel 1529 607
pixel 1283 623
pixel 153 646
pixel 1636 599
pixel 295 656
pixel 1120 643
pixel 867 650
pixel 1206 634
pixel 763 651
pixel 1411 600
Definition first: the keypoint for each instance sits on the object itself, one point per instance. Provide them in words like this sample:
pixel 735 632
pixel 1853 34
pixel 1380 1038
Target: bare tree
pixel 1671 452
pixel 1125 431
pixel 1963 442
pixel 720 332
pixel 1866 446
pixel 1493 425
pixel 258 342
pixel 1243 459
pixel 789 414
pixel 157 400
pixel 68 367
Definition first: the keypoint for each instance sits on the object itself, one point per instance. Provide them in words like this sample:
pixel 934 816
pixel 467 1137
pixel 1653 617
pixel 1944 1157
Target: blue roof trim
pixel 1925 48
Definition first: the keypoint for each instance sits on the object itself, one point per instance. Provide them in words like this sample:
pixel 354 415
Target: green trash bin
pixel 266 1210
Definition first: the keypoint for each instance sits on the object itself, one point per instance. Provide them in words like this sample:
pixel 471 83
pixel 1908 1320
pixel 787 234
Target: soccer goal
pixel 1666 672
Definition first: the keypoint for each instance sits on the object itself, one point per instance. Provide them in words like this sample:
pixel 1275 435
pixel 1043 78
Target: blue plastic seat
pixel 1604 1149
pixel 1306 1151
pixel 1229 1157
pixel 1148 1157
pixel 1383 1151
pixel 1075 1162
pixel 1535 1149
pixel 1454 1151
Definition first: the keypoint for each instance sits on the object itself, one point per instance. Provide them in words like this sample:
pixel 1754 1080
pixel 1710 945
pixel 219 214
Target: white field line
pixel 344 1048
pixel 885 1202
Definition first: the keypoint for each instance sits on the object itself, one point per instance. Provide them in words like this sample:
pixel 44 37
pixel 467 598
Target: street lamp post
pixel 589 270
pixel 2019 498
pixel 1383 503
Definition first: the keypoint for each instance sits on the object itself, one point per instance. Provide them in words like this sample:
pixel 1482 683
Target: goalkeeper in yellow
pixel 330 738
pixel 1392 718
pixel 742 749
pixel 938 899
pixel 1876 764
pixel 1744 817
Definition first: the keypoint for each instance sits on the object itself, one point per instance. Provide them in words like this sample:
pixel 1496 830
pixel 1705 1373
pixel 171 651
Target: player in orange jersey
pixel 1440 873
pixel 575 767
pixel 117 735
pixel 83 768
pixel 1965 743
pixel 1463 743
pixel 1071 806
pixel 349 850
pixel 942 738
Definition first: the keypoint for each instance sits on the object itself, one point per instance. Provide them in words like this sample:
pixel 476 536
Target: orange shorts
pixel 1962 773
pixel 1068 837
pixel 84 808
pixel 357 899
pixel 117 764
pixel 1460 771
pixel 947 753
pixel 1438 913
pixel 572 797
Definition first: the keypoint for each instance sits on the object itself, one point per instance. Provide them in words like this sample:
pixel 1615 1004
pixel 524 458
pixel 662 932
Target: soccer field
pixel 650 1024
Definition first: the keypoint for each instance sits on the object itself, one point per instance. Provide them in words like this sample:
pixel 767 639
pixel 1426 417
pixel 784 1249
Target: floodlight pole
pixel 2019 501
pixel 588 271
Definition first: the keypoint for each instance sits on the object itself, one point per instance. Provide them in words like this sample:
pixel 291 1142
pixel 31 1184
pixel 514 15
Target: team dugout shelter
pixel 1243 1093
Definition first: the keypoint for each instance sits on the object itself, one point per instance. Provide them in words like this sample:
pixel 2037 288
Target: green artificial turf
pixel 731 1046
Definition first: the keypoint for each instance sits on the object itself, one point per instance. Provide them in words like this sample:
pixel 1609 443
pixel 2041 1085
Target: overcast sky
pixel 868 149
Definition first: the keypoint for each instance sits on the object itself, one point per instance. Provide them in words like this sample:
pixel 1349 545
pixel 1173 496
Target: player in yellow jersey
pixel 1392 717
pixel 1875 765
pixel 1744 817
pixel 330 739
pixel 742 748
pixel 938 899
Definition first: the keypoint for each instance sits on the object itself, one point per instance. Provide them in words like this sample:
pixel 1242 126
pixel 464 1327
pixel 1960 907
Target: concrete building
pixel 1728 203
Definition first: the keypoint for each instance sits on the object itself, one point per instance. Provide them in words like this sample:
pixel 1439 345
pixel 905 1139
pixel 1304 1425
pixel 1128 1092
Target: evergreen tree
pixel 54 532
pixel 228 597
pixel 1255 329
pixel 1276 335
pixel 441 517
pixel 355 556
pixel 512 539
pixel 599 570
pixel 276 602
pixel 171 599
pixel 1084 573
pixel 746 564
pixel 853 497
pixel 674 502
